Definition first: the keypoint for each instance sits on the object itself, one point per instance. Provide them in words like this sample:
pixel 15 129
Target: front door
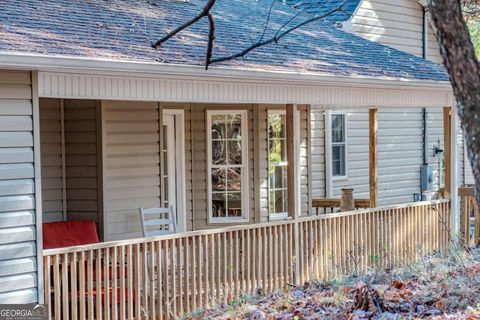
pixel 172 195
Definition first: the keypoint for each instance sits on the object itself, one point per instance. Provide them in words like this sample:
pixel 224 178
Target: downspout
pixel 425 115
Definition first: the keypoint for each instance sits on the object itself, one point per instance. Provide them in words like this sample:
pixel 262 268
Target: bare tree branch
pixel 211 38
pixel 268 20
pixel 204 13
pixel 273 39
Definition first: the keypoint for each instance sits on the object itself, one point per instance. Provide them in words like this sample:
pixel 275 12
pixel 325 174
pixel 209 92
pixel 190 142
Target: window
pixel 339 145
pixel 277 165
pixel 227 166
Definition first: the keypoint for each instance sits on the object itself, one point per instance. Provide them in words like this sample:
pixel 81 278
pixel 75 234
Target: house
pixel 95 123
pixel 403 25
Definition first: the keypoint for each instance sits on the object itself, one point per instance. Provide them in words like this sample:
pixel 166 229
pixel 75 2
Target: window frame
pixel 245 167
pixel 278 215
pixel 345 144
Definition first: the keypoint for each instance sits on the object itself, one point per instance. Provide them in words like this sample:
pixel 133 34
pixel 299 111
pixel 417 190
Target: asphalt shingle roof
pixel 321 7
pixel 123 30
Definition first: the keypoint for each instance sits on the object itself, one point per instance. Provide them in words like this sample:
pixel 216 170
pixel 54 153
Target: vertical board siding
pixel 51 157
pixel 397 24
pixel 18 277
pixel 81 160
pixel 131 165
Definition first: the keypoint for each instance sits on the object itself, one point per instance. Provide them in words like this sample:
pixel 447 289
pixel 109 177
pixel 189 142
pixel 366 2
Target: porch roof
pixel 123 30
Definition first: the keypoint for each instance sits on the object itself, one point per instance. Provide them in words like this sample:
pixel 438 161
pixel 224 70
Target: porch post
pixel 372 155
pixel 447 128
pixel 293 186
pixel 291 161
pixel 451 165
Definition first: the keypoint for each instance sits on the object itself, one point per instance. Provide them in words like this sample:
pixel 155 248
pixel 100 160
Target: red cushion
pixel 69 233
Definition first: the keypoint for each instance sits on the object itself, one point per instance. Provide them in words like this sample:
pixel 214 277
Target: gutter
pixel 176 71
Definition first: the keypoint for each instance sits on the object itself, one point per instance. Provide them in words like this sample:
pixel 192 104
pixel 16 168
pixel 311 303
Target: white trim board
pixel 179 119
pixel 209 89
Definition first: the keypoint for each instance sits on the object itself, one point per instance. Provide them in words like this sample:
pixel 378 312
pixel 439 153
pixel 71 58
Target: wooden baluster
pixel 150 259
pixel 180 278
pixel 121 281
pixel 47 278
pixel 132 292
pixel 115 278
pixel 194 272
pixel 98 283
pixel 106 282
pixel 65 290
pixel 57 287
pixel 187 275
pixel 73 285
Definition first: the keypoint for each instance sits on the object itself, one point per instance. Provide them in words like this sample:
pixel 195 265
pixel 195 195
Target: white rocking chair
pixel 158 221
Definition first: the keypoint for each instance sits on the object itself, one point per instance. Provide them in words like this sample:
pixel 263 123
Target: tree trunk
pixel 463 67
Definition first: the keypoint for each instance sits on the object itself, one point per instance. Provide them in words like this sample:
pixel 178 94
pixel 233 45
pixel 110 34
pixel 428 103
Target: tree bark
pixel 463 68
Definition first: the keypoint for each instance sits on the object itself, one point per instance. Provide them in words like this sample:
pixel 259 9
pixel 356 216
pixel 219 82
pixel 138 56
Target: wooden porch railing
pixel 469 216
pixel 328 205
pixel 167 276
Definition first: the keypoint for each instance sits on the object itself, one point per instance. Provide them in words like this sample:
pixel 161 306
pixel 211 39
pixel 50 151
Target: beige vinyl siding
pixel 199 159
pixel 317 150
pixel 357 156
pixel 398 24
pixel 69 161
pixel 199 165
pixel 400 153
pixel 469 178
pixel 131 165
pixel 82 190
pixel 433 51
pixel 51 155
pixel 263 159
pixel 305 188
pixel 18 262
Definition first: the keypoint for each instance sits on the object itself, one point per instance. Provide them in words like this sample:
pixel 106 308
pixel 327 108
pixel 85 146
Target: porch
pixel 167 276
pixel 248 218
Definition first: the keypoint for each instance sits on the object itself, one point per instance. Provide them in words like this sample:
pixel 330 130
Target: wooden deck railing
pixel 328 205
pixel 167 276
pixel 469 216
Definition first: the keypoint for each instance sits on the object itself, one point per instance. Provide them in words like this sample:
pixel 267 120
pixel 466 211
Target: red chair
pixel 62 234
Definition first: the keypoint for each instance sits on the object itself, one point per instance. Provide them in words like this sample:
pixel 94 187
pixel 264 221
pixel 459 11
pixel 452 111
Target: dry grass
pixel 436 287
